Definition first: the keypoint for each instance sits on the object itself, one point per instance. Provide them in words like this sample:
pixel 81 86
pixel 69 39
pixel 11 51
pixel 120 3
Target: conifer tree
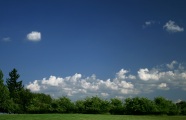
pixel 13 84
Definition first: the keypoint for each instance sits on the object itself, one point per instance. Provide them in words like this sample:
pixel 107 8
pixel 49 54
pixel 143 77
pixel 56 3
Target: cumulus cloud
pixel 34 86
pixel 122 75
pixel 77 86
pixel 145 74
pixel 146 80
pixel 34 36
pixel 171 26
pixel 156 75
pixel 53 81
pixel 161 77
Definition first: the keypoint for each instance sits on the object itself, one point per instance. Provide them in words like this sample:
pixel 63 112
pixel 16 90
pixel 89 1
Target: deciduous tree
pixel 165 106
pixel 4 95
pixel 116 106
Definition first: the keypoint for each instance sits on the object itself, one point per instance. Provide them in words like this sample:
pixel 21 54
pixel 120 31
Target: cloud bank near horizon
pixel 165 77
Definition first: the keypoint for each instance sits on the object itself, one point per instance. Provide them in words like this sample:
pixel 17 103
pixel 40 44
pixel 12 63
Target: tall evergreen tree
pixel 1 77
pixel 14 85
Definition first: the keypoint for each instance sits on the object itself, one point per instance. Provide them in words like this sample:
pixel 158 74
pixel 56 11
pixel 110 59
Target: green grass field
pixel 85 117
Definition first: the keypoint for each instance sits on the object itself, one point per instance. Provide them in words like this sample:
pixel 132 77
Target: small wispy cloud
pixel 172 64
pixel 34 36
pixel 149 23
pixel 172 27
pixel 6 39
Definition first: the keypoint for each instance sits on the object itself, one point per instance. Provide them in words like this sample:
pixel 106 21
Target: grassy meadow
pixel 85 117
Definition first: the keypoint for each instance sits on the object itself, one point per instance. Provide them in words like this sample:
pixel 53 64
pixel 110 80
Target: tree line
pixel 14 98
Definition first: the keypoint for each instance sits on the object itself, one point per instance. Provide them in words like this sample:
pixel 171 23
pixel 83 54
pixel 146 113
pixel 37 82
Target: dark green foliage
pixel 116 106
pixel 15 88
pixel 95 105
pixel 105 106
pixel 4 95
pixel 79 106
pixel 1 77
pixel 139 106
pixel 14 85
pixel 39 103
pixel 7 104
pixel 164 106
pixel 64 105
pixel 92 105
pixel 182 107
pixel 25 99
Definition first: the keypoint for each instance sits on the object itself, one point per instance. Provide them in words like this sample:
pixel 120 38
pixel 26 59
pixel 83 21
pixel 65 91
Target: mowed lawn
pixel 85 117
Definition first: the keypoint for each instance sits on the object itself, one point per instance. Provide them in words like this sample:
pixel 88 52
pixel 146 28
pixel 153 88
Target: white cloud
pixel 53 81
pixel 35 87
pixel 132 77
pixel 34 36
pixel 171 26
pixel 145 74
pixel 124 84
pixel 77 86
pixel 122 75
pixel 163 86
pixel 160 77
pixel 171 65
pixel 149 23
pixel 183 75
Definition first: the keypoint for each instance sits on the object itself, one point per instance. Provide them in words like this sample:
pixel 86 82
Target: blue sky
pixel 110 48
